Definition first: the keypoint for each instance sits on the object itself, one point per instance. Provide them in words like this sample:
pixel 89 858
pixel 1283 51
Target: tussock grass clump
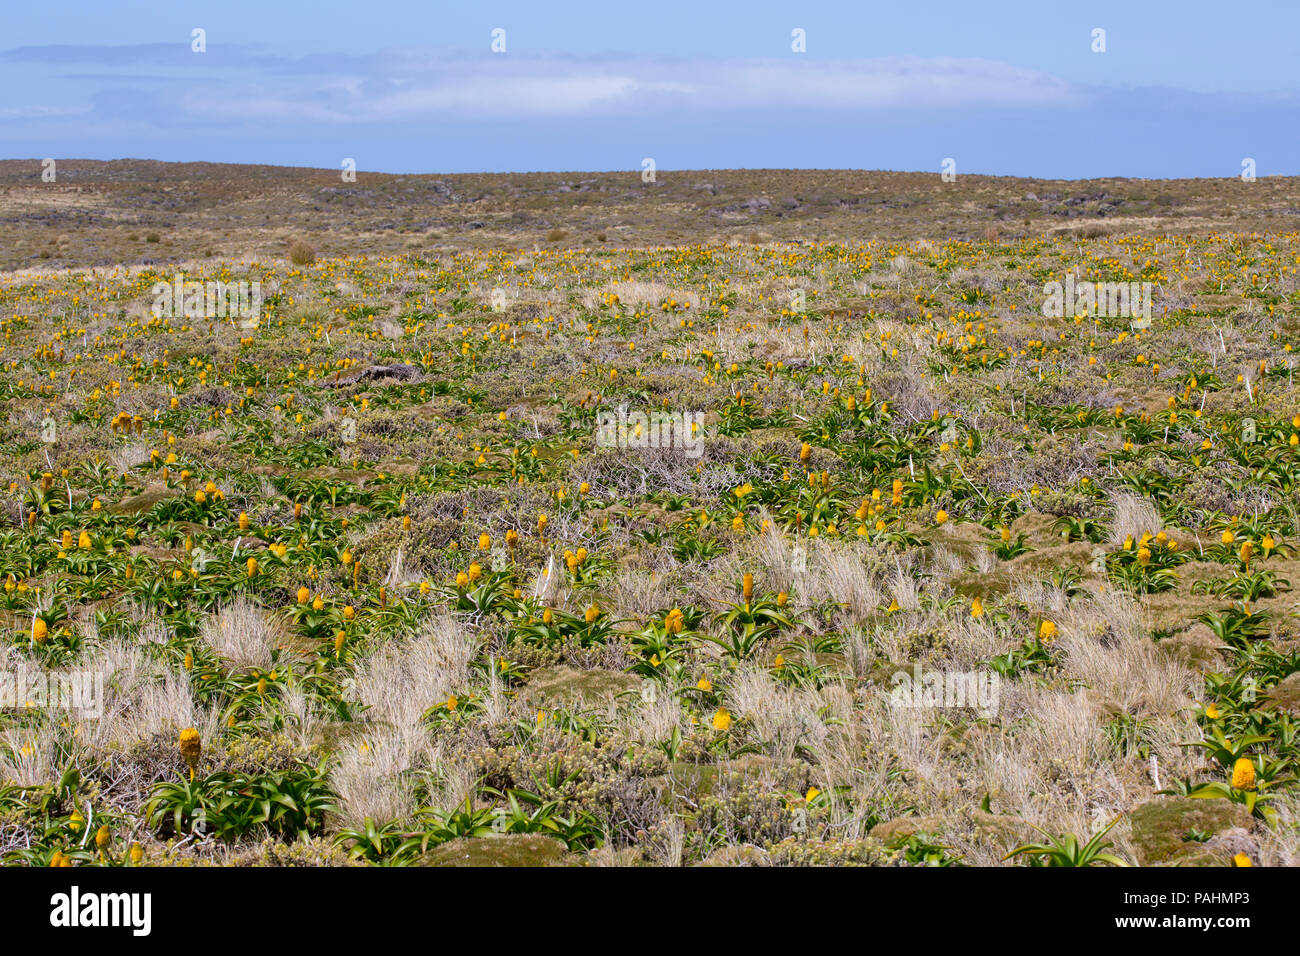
pixel 302 253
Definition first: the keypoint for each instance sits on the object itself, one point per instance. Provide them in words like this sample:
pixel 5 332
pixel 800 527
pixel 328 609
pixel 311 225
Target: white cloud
pixel 441 84
pixel 41 112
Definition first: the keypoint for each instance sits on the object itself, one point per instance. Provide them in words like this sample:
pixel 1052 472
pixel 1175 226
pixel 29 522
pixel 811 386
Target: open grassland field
pixel 407 567
pixel 137 211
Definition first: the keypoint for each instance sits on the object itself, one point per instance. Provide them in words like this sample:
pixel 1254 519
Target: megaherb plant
pixel 522 812
pixel 289 803
pixel 1068 850
pixel 747 624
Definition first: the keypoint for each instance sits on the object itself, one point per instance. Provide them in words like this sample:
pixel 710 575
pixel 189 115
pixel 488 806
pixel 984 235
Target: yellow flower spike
pixel 1241 859
pixel 721 719
pixel 940 516
pixel 1243 774
pixel 484 542
pixel 1047 631
pixel 191 747
pixel 704 684
pixel 591 614
pixel 977 608
pixel 304 595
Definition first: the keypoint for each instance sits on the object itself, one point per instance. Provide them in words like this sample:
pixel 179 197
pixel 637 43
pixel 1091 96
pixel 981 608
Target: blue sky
pixel 1014 88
